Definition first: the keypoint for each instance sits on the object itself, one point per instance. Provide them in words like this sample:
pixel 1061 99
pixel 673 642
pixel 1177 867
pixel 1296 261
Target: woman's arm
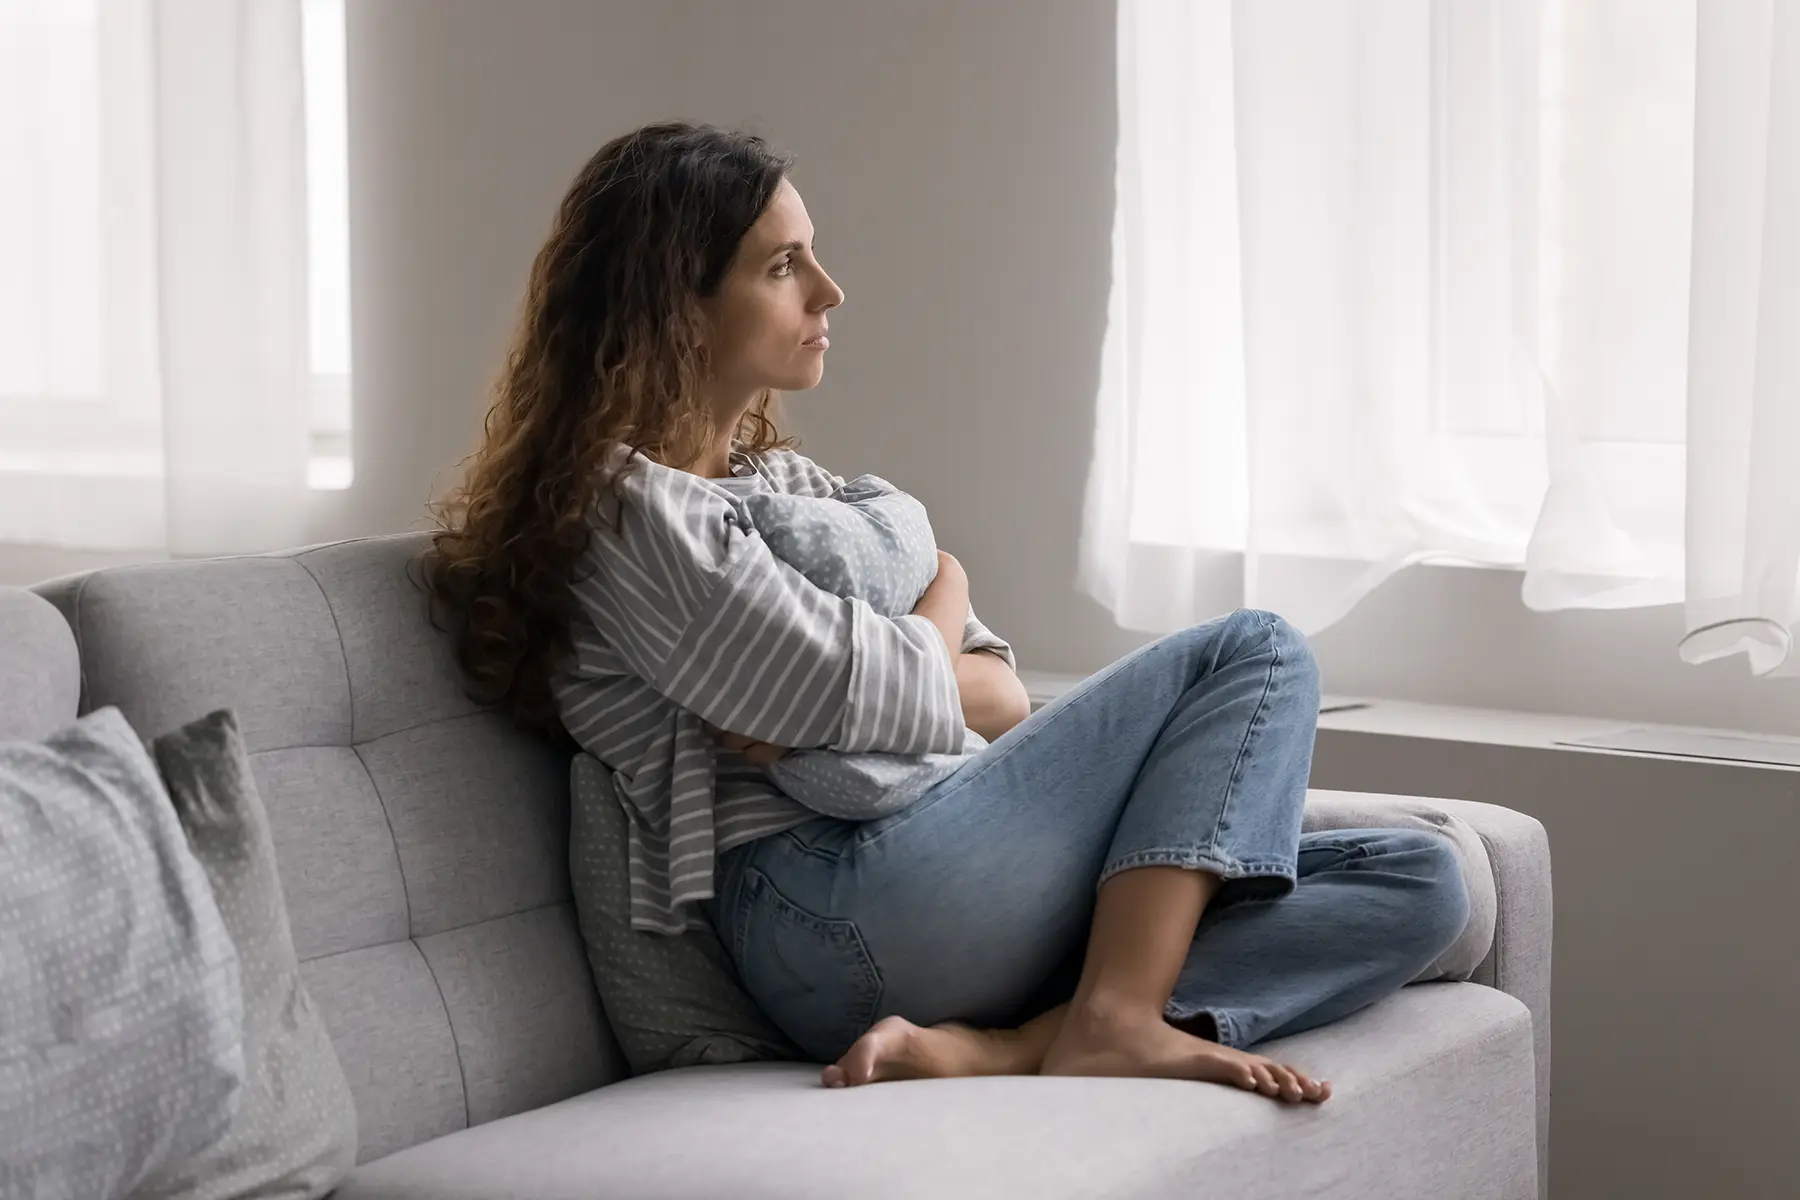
pixel 699 608
pixel 993 701
pixel 946 603
pixel 993 698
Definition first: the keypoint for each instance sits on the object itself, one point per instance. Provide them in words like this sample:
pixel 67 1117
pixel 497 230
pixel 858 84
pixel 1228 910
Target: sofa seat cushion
pixel 1434 1096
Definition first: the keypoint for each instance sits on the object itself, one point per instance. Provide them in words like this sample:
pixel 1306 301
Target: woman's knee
pixel 1250 631
pixel 1440 908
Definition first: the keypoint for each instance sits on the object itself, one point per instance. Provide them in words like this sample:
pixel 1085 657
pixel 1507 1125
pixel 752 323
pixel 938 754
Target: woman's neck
pixel 716 462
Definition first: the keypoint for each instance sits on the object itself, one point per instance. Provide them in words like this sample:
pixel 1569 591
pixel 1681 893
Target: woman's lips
pixel 818 343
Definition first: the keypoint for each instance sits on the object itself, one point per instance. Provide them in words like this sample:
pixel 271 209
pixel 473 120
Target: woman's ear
pixel 702 328
pixel 699 327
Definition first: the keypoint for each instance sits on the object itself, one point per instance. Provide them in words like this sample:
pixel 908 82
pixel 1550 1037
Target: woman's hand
pixel 758 753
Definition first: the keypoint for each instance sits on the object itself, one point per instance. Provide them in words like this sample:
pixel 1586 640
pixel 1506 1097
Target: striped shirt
pixel 684 618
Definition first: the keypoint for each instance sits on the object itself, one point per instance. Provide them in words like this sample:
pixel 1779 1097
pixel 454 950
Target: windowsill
pixel 1444 723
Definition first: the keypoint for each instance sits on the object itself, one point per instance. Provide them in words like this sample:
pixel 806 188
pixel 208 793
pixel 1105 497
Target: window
pixel 328 229
pixel 1405 284
pixel 79 339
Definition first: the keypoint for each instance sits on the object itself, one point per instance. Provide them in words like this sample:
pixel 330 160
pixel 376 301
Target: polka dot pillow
pixel 294 1133
pixel 868 540
pixel 671 1001
pixel 120 1007
pixel 872 542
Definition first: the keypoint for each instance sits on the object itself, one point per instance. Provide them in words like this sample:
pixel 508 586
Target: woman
pixel 1125 868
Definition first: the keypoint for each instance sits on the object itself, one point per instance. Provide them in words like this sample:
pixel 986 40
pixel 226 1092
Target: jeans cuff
pixel 1226 868
pixel 1225 1027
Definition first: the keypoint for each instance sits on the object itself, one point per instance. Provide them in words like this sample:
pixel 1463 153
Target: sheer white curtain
pixel 1511 282
pixel 154 348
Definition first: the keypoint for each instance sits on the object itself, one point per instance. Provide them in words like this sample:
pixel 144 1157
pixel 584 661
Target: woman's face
pixel 768 319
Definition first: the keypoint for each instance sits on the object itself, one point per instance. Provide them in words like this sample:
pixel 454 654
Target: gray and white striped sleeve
pixel 977 636
pixel 704 613
pixel 798 475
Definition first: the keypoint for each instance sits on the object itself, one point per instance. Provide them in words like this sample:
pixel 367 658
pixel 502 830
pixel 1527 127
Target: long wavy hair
pixel 606 352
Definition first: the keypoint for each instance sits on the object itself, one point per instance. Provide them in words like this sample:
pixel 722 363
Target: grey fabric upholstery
pixel 293 1136
pixel 1351 810
pixel 40 674
pixel 1518 961
pixel 1404 1122
pixel 422 842
pixel 120 1011
pixel 671 1001
pixel 423 850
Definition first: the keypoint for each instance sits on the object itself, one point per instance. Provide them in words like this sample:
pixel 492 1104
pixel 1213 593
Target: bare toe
pixel 894 1048
pixel 1098 1043
pixel 884 1052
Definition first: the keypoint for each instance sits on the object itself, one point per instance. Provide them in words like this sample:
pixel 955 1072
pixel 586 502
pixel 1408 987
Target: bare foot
pixel 895 1048
pixel 1111 1043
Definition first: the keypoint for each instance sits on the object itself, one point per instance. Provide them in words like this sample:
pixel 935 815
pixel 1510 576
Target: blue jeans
pixel 974 903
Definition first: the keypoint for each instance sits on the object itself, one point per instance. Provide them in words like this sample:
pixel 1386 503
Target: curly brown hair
pixel 606 353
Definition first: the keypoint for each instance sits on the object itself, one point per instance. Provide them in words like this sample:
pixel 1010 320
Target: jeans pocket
pixel 811 975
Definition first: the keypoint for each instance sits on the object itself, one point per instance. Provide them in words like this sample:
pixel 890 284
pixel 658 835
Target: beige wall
pixel 957 160
pixel 1675 979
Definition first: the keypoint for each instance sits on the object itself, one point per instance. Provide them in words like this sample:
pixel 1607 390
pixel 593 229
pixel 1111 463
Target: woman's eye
pixel 786 267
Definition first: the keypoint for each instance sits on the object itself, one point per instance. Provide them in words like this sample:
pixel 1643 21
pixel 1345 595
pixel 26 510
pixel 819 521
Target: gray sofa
pixel 423 852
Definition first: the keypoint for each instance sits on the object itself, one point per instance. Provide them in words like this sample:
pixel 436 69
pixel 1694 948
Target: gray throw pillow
pixel 672 1001
pixel 867 539
pixel 870 541
pixel 294 1133
pixel 119 994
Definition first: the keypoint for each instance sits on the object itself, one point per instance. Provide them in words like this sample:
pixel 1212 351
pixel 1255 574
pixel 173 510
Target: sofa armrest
pixel 1518 963
pixel 40 669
